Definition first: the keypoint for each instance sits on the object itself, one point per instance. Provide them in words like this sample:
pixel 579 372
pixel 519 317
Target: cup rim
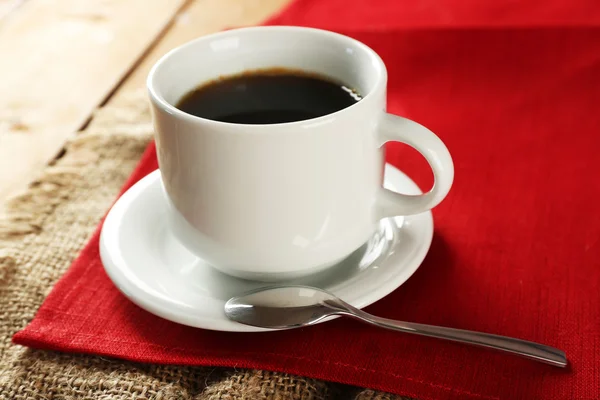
pixel 166 106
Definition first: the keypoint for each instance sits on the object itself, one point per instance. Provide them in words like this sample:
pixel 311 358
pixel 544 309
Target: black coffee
pixel 268 97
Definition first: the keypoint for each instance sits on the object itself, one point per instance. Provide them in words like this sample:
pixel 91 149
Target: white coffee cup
pixel 278 201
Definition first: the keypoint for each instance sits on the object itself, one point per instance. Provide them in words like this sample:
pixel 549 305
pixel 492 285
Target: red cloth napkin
pixel 517 242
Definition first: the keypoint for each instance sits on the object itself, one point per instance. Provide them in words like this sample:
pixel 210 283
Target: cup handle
pixel 393 128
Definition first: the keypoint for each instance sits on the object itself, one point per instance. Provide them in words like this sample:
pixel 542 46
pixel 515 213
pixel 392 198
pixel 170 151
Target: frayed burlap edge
pixel 42 231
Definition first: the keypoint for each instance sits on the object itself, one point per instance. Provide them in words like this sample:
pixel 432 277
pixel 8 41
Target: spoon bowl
pixel 280 307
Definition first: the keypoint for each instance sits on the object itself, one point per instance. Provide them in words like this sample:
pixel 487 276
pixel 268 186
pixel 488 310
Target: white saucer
pixel 154 271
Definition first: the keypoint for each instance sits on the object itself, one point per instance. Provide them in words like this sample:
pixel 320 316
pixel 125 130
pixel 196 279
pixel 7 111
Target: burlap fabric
pixel 41 233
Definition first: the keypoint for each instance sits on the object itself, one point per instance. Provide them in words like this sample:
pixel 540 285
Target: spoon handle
pixel 524 348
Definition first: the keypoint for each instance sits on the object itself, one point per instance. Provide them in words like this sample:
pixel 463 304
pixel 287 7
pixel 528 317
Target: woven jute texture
pixel 41 233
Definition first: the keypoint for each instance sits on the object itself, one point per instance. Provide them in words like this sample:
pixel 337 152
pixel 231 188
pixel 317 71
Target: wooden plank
pixel 59 59
pixel 201 18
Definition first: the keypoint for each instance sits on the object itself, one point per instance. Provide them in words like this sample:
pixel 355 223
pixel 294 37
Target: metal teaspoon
pixel 284 307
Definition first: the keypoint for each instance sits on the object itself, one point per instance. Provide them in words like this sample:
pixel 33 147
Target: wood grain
pixel 199 18
pixel 59 59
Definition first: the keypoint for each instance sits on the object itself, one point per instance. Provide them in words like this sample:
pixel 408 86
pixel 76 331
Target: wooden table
pixel 62 59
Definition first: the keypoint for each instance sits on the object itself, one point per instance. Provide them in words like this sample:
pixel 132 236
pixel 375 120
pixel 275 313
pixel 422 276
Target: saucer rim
pixel 116 267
